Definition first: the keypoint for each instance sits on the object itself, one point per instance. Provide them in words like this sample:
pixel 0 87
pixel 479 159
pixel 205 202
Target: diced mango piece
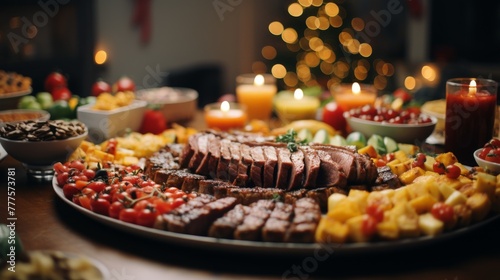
pixel 355 225
pixel 331 231
pixel 423 203
pixel 344 210
pixel 480 205
pixel 430 225
pixel 368 150
pixel 388 230
pixel 447 158
pixel 399 168
pixel 401 155
pixel 410 175
pixel 485 183
pixel 456 198
pixel 334 199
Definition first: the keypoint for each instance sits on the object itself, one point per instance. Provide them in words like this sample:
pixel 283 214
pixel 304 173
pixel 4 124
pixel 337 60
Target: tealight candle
pixel 296 107
pixel 470 116
pixel 256 92
pixel 225 116
pixel 354 96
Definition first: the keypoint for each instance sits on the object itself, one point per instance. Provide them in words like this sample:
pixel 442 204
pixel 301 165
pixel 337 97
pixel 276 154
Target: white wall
pixel 184 32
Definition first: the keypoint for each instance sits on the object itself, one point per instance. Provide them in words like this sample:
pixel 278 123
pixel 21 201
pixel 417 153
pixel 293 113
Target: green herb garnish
pixel 290 138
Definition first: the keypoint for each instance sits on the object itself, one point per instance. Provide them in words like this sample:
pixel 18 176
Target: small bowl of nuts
pixel 40 144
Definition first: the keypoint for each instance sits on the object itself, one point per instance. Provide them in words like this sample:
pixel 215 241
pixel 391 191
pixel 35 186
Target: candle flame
pixel 356 89
pixel 224 106
pixel 472 87
pixel 298 94
pixel 259 80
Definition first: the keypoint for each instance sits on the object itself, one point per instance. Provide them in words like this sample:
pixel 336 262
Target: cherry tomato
pixel 143 204
pixel 55 80
pixel 62 93
pixel 484 152
pixel 443 212
pixel 493 155
pixel 177 202
pixel 419 160
pixel 99 87
pixel 97 186
pixel 115 208
pixel 111 146
pixel 375 211
pixel 89 173
pixel 333 115
pixel 77 164
pixel 84 201
pixel 453 171
pixel 146 217
pixel 162 206
pixel 369 226
pixel 60 168
pixel 100 205
pixel 128 215
pixel 69 190
pixel 403 94
pixel 439 167
pixel 380 163
pixel 124 84
pixel 62 178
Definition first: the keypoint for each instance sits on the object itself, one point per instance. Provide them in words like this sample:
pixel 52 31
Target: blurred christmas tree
pixel 324 45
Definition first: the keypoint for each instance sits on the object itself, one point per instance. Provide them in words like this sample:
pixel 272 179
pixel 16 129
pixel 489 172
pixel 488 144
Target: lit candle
pixel 355 96
pixel 296 107
pixel 225 116
pixel 470 116
pixel 256 92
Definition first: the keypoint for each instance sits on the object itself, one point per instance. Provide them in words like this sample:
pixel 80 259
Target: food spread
pixel 251 187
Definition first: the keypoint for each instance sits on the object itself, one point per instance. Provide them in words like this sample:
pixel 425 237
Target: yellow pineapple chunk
pixel 401 155
pixel 331 231
pixel 345 210
pixel 480 205
pixel 445 190
pixel 408 226
pixel 85 145
pixel 456 198
pixel 423 203
pixel 388 230
pixel 410 175
pixel 447 158
pixel 355 225
pixel 401 195
pixel 486 183
pixel 360 197
pixel 400 168
pixel 381 198
pixel 368 150
pixel 429 225
pixel 334 199
pixel 429 163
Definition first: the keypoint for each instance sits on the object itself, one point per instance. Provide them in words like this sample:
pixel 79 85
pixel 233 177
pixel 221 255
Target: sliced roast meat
pixel 284 167
pixel 343 157
pixel 173 219
pixel 213 157
pixel 320 195
pixel 251 227
pixel 225 226
pixel 385 177
pixel 257 166
pixel 277 225
pixel 225 159
pixel 204 153
pixel 330 172
pixel 200 148
pixel 269 173
pixel 307 215
pixel 244 167
pixel 297 172
pixel 247 196
pixel 191 182
pixel 311 163
pixel 234 149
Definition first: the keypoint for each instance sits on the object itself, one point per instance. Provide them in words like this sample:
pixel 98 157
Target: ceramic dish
pixel 176 104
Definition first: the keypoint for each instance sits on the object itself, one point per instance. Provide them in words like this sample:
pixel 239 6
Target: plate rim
pixel 16 93
pixel 243 246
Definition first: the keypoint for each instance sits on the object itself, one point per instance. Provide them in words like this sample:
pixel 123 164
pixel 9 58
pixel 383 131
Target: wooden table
pixel 44 221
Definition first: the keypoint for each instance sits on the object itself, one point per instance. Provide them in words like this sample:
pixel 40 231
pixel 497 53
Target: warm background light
pixel 410 83
pixel 100 57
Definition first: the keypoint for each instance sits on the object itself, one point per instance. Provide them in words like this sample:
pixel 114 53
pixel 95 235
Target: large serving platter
pixel 266 247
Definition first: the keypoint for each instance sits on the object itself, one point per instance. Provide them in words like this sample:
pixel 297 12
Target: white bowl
pixel 401 133
pixel 486 165
pixel 176 104
pixel 103 125
pixel 19 115
pixel 42 153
